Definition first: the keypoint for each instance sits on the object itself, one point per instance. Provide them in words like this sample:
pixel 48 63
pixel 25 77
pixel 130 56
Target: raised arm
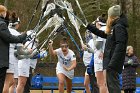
pixel 51 50
pixel 7 37
pixel 96 31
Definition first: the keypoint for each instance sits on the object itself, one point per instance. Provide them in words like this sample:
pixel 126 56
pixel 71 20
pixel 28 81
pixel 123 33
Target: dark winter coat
pixel 5 39
pixel 116 42
pixel 129 73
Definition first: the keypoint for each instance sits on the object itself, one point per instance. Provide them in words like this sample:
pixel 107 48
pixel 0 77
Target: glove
pixel 42 54
pixel 130 61
pixel 15 53
pixel 36 56
pixel 23 51
pixel 19 57
pixel 89 70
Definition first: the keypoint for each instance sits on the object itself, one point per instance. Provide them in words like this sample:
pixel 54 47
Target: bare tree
pixel 122 3
pixel 6 3
pixel 134 24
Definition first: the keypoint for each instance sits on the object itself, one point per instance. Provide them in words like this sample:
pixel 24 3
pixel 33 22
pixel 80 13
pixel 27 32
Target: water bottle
pixel 42 54
pixel 38 81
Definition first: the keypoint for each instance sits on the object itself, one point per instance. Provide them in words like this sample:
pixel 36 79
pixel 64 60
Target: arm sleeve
pixel 7 37
pixel 126 64
pixel 136 62
pixel 96 31
pixel 91 46
pixel 57 51
pixel 73 56
pixel 120 47
pixel 99 45
pixel 90 50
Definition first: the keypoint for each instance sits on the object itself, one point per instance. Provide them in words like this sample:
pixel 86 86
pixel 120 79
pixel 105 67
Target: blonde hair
pixel 127 49
pixel 110 20
pixel 2 9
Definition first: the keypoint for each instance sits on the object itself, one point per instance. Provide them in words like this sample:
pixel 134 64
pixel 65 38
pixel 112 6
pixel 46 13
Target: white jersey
pixel 33 62
pixel 25 64
pixel 102 39
pixel 12 58
pixel 66 60
pixel 24 67
pixel 87 56
pixel 98 62
pixel 13 32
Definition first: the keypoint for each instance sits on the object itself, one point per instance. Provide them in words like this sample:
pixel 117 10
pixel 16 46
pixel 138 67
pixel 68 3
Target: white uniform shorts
pixel 98 63
pixel 12 60
pixel 16 70
pixel 60 69
pixel 23 67
pixel 10 69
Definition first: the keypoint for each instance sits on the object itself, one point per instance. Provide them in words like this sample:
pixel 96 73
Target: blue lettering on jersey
pixel 65 60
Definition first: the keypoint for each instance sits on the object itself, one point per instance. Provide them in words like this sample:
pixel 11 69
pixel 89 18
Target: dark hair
pixel 102 18
pixel 103 15
pixel 14 17
pixel 64 41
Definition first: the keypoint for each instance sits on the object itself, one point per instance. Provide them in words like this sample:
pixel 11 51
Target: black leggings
pixel 129 91
pixel 2 78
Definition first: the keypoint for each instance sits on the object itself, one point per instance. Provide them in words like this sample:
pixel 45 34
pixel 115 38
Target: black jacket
pixel 115 48
pixel 5 39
